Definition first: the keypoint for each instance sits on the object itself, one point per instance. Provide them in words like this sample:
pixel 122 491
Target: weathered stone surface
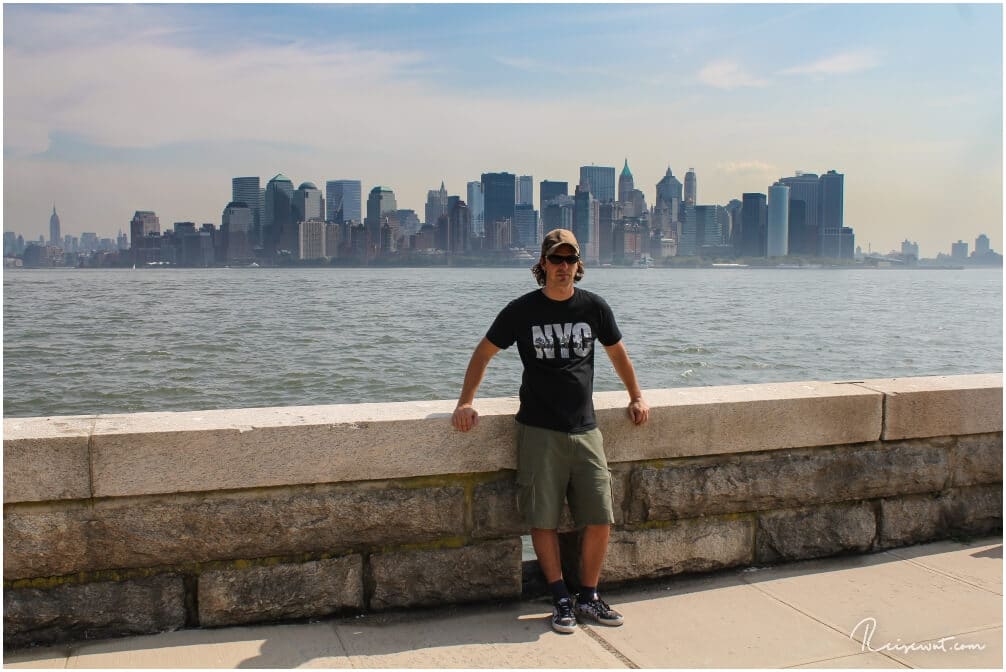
pixel 485 571
pixel 153 453
pixel 977 509
pixel 697 545
pixel 169 530
pixel 739 418
pixel 93 610
pixel 785 479
pixel 494 510
pixel 941 405
pixel 909 520
pixel 277 592
pixel 815 532
pixel 977 458
pixel 46 459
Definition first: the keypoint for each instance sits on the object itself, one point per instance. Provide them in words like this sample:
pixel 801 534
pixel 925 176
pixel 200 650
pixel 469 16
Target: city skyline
pixel 914 122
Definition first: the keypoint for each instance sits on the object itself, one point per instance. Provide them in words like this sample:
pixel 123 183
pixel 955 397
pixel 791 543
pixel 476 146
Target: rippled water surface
pixel 114 341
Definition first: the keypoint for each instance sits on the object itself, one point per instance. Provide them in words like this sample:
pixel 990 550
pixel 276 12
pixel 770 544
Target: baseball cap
pixel 557 237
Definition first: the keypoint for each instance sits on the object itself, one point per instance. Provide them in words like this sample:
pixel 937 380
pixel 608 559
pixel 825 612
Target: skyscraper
pixel 380 202
pixel 343 196
pixel 248 190
pixel 586 214
pixel 525 226
pixel 601 181
pixel 308 203
pixel 549 190
pixel 436 204
pixel 278 217
pixel 477 208
pixel 236 223
pixel 625 183
pixel 498 192
pixel 54 237
pixel 524 194
pixel 982 245
pixel 691 187
pixel 777 243
pixel 831 199
pixel 754 221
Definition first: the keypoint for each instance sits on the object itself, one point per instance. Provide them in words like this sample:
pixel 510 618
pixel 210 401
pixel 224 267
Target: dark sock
pixel 588 593
pixel 559 590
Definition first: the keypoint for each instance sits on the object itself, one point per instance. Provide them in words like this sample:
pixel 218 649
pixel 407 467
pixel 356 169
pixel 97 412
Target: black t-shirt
pixel 555 340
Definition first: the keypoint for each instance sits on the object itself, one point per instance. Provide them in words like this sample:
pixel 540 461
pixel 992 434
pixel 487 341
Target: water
pixel 118 341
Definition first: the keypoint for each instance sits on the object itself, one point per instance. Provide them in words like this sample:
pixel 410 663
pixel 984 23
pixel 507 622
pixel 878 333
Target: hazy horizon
pixel 109 109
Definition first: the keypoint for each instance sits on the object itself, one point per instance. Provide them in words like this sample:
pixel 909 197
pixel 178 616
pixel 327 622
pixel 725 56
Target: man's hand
pixel 638 411
pixel 465 417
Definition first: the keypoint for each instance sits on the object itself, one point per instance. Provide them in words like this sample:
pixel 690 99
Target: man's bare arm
pixel 638 410
pixel 465 417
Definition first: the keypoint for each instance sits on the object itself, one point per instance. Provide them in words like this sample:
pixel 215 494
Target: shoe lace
pixel 599 606
pixel 564 608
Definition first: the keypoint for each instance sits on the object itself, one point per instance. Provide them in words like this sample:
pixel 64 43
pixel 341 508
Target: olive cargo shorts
pixel 553 466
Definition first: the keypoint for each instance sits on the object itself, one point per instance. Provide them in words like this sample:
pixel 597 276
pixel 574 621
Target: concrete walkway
pixel 934 605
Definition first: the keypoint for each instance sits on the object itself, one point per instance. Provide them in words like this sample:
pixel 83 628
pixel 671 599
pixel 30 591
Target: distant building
pixel 548 189
pixel 436 204
pixel 838 243
pixel 54 238
pixel 477 208
pixel 524 194
pixel 600 180
pixel 558 213
pixel 343 201
pixel 459 221
pixel 712 223
pixel 308 203
pixel 143 232
pixel 959 251
pixel 803 226
pixel 525 222
pixel 237 224
pixel 777 240
pixel 625 183
pixel 498 190
pixel 408 221
pixel 754 222
pixel 909 250
pixel 311 239
pixel 279 231
pixel 982 246
pixel 380 203
pixel 688 233
pixel 586 216
pixel 248 190
pixel 691 187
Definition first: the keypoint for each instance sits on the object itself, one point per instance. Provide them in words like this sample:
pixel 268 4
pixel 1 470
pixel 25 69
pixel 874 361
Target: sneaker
pixel 563 619
pixel 599 612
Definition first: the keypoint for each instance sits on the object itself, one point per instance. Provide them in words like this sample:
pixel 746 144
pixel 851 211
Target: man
pixel 560 450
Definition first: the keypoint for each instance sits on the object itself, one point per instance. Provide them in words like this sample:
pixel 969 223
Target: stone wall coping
pixel 73 457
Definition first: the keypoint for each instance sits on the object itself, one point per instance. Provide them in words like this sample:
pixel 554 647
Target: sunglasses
pixel 559 258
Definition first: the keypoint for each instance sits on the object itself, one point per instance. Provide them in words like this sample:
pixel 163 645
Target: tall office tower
pixel 558 213
pixel 380 203
pixel 802 240
pixel 9 243
pixel 237 223
pixel 607 215
pixel 959 251
pixel 459 223
pixel 838 243
pixel 586 213
pixel 910 250
pixel 733 209
pixel 547 190
pixel 711 222
pixel 754 220
pixel 525 226
pixel 625 183
pixel 248 190
pixel 54 238
pixel 436 204
pixel 831 198
pixel 665 209
pixel 777 243
pixel 982 246
pixel 143 224
pixel 343 196
pixel 805 187
pixel 524 194
pixel 277 219
pixel 601 182
pixel 311 239
pixel 688 238
pixel 122 241
pixel 477 208
pixel 308 203
pixel 498 192
pixel 408 221
pixel 690 187
pixel 668 188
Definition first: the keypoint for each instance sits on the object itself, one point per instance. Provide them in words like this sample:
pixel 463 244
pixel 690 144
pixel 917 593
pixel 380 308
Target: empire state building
pixel 54 237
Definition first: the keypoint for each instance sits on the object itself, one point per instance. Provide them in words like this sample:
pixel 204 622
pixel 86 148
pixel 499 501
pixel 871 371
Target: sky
pixel 109 109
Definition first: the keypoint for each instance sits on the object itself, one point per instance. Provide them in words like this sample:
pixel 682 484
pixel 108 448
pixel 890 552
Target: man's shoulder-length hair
pixel 539 272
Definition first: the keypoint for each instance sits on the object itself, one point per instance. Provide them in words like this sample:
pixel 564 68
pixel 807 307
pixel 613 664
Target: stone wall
pixel 138 523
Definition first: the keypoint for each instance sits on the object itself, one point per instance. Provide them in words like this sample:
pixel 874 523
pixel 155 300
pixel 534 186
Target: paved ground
pixel 935 605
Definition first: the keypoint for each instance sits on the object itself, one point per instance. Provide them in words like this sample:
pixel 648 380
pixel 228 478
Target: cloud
pixel 726 74
pixel 744 168
pixel 840 64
